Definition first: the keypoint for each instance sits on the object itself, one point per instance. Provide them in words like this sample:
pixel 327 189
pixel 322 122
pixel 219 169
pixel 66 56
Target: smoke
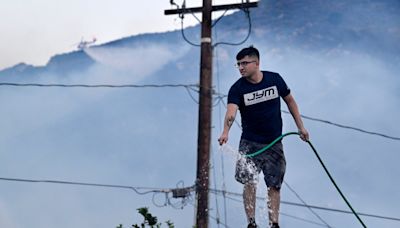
pixel 93 135
pixel 147 137
pixel 344 86
pixel 137 62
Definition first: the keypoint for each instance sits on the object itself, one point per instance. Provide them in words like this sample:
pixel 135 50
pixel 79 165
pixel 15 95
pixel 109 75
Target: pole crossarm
pixel 214 8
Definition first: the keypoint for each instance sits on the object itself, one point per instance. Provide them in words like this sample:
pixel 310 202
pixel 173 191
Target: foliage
pixel 149 220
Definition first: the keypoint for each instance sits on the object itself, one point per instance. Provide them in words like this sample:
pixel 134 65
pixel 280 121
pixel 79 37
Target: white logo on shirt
pixel 261 95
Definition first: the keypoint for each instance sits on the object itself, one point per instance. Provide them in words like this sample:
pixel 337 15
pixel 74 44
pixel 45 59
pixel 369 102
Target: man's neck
pixel 255 78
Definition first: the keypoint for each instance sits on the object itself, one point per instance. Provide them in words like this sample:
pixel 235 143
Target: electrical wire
pixel 182 16
pixel 168 190
pixel 304 220
pixel 347 127
pixel 327 122
pixel 156 191
pixel 216 220
pixel 341 211
pixel 285 214
pixel 219 18
pixel 220 128
pixel 219 191
pixel 164 204
pixel 191 86
pixel 135 189
pixel 217 215
pixel 188 89
pixel 309 208
pixel 185 38
pixel 247 12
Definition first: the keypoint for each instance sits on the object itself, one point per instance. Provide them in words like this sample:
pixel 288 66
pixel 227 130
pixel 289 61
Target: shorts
pixel 272 162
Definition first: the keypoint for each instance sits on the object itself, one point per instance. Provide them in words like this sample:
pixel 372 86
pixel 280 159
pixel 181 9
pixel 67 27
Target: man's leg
pixel 274 200
pixel 249 199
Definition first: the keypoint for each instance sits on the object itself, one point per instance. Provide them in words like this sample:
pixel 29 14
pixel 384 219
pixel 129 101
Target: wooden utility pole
pixel 204 124
pixel 205 104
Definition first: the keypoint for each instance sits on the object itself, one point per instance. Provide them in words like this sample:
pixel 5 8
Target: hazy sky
pixel 147 137
pixel 33 31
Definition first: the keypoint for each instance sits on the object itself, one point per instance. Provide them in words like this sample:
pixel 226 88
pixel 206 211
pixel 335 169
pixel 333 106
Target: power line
pixel 178 192
pixel 190 86
pixel 184 36
pixel 247 12
pixel 135 189
pixel 285 214
pixel 217 191
pixel 302 219
pixel 347 127
pixel 182 10
pixel 217 215
pixel 221 96
pixel 148 190
pixel 301 199
pixel 217 70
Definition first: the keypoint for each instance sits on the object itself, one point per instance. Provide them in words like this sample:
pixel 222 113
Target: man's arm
pixel 294 110
pixel 230 115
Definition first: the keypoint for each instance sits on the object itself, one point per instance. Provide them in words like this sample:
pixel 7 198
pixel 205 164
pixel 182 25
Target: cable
pixel 304 220
pixel 220 129
pixel 218 191
pixel 247 12
pixel 219 18
pixel 218 222
pixel 215 186
pixel 98 86
pixel 221 96
pixel 164 190
pixel 309 208
pixel 321 162
pixel 340 211
pixel 135 189
pixel 184 36
pixel 186 198
pixel 285 214
pixel 153 200
pixel 348 127
pixel 181 16
pixel 190 94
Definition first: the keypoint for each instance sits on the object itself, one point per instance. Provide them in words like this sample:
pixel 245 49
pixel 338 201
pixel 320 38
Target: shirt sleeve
pixel 283 88
pixel 233 95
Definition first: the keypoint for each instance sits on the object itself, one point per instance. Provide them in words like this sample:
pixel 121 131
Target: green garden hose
pixel 320 161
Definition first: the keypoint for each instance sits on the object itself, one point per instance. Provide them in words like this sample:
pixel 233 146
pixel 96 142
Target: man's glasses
pixel 243 63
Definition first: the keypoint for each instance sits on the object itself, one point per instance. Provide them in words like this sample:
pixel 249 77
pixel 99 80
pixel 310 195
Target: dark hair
pixel 249 51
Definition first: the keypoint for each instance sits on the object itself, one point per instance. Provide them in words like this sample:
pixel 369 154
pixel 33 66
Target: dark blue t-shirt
pixel 259 106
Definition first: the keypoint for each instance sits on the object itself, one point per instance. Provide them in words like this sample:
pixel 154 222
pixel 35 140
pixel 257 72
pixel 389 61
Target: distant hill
pixel 316 25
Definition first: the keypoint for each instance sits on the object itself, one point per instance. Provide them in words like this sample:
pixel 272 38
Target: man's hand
pixel 223 139
pixel 304 134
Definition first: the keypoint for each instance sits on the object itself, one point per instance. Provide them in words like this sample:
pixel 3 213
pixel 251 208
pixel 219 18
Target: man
pixel 257 96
